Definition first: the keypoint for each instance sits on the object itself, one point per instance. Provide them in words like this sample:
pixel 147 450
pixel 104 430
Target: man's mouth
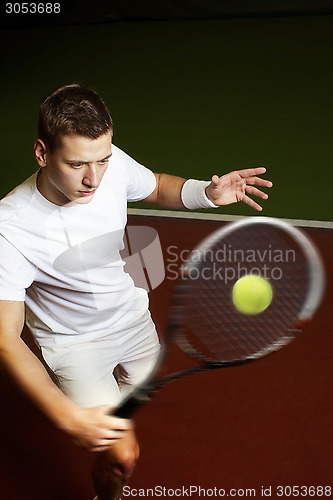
pixel 89 192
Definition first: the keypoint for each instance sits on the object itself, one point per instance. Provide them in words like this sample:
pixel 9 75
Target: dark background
pixel 105 11
pixel 194 88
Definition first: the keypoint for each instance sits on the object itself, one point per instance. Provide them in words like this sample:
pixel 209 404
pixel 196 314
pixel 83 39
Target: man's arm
pixel 224 190
pixel 167 192
pixel 92 428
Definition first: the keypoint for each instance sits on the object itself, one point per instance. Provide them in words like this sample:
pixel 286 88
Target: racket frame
pixel 315 293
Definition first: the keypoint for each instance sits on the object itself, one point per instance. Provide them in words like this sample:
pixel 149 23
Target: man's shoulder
pixel 122 158
pixel 17 200
pixel 118 153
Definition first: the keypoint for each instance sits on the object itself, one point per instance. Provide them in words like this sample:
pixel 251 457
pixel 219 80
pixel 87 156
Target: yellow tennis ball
pixel 252 294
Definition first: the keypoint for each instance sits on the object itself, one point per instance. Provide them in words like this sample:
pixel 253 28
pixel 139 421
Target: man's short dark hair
pixel 72 109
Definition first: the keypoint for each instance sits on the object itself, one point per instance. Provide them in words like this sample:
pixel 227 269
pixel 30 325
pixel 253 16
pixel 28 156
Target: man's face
pixel 73 172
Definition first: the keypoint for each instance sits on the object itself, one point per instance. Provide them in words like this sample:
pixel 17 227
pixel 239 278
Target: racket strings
pixel 214 328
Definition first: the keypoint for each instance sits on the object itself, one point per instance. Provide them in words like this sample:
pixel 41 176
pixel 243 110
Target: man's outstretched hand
pixel 236 186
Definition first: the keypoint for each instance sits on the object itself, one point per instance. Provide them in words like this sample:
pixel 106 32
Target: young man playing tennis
pixel 61 272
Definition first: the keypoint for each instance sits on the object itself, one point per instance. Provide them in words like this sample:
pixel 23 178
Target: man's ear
pixel 40 152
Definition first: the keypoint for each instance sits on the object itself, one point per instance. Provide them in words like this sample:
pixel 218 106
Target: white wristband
pixel 193 195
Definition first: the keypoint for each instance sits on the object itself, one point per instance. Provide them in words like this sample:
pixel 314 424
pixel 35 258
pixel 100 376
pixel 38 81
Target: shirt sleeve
pixel 16 272
pixel 141 180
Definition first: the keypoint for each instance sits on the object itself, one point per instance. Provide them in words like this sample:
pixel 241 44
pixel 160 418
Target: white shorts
pixel 84 369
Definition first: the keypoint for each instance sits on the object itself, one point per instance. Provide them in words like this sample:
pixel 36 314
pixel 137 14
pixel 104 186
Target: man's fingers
pixel 248 175
pixel 252 203
pixel 101 446
pixel 215 181
pixel 98 449
pixel 123 424
pixel 106 439
pixel 111 422
pixel 97 429
pixel 250 172
pixel 256 192
pixel 259 182
pixel 104 409
pixel 108 433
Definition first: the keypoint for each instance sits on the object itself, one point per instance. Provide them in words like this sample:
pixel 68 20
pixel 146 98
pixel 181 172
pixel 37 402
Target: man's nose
pixel 91 178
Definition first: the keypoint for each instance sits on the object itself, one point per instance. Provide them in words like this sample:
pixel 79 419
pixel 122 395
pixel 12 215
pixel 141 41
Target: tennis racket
pixel 203 320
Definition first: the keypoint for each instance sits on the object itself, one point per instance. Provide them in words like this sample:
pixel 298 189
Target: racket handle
pixel 142 394
pixel 132 403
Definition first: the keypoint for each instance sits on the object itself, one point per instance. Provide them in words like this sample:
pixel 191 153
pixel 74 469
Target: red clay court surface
pixel 266 424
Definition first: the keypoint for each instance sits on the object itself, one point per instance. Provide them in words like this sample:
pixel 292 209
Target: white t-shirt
pixel 64 262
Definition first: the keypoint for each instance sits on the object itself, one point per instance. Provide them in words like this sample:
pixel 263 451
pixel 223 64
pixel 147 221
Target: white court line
pixel 221 217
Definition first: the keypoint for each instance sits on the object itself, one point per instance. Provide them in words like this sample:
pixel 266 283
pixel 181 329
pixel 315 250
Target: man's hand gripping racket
pixel 203 320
